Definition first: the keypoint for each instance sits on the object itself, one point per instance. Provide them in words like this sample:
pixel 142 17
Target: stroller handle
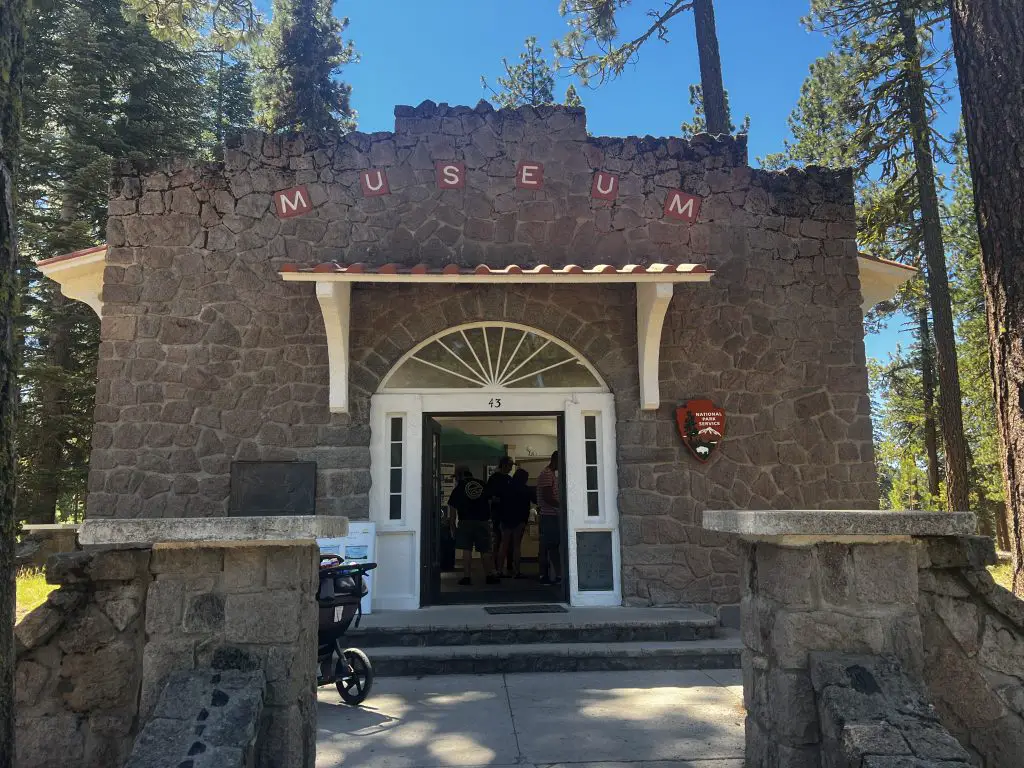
pixel 333 564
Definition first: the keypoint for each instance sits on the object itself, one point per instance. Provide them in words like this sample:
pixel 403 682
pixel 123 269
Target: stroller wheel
pixel 355 676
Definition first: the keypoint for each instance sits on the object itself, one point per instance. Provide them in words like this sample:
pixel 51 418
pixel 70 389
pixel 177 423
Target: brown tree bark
pixel 931 438
pixel 715 111
pixel 53 395
pixel 988 38
pixel 12 57
pixel 950 414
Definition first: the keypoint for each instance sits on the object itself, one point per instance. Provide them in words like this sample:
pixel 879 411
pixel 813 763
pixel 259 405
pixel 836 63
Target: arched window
pixel 493 356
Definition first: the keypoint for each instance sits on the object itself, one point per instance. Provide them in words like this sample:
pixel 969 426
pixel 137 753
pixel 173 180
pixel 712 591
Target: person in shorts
pixel 515 513
pixel 497 491
pixel 549 504
pixel 469 500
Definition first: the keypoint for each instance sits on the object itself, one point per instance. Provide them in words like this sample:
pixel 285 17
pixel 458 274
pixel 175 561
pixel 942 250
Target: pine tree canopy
pixel 699 124
pixel 531 82
pixel 299 60
pixel 100 87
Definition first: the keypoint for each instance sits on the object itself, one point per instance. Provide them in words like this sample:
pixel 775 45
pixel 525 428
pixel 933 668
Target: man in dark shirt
pixel 497 490
pixel 469 499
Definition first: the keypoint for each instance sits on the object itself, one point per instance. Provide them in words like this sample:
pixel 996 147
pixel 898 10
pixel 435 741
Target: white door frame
pixel 398 541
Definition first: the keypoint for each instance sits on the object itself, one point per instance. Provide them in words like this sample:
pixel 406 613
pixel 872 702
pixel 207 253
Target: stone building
pixel 341 300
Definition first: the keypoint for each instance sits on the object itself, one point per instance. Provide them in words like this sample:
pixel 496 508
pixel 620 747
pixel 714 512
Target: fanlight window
pixel 492 357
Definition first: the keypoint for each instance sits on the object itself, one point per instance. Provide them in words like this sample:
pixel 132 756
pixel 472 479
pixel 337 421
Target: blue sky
pixel 414 50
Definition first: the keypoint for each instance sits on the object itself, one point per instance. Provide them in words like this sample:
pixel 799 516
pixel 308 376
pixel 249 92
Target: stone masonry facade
pixel 208 357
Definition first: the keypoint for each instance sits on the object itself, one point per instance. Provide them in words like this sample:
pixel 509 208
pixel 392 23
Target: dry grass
pixel 1003 574
pixel 31 592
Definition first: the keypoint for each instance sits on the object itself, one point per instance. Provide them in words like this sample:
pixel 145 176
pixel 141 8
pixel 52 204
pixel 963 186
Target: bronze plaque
pixel 272 488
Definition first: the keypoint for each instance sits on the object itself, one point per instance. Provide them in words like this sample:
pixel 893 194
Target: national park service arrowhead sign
pixel 701 425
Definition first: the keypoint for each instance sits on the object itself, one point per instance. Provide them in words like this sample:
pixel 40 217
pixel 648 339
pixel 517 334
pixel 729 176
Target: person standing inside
pixel 474 526
pixel 515 515
pixel 497 490
pixel 549 503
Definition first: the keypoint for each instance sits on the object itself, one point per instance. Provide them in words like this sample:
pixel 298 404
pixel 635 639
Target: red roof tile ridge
pixel 73 255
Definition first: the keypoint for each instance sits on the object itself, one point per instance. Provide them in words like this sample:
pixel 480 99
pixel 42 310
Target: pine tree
pixel 173 19
pixel 989 42
pixel 988 499
pixel 593 24
pixel 531 82
pixel 12 71
pixel 886 49
pixel 100 87
pixel 228 92
pixel 299 60
pixel 699 123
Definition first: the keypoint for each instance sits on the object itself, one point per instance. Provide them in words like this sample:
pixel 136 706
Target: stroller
pixel 341 591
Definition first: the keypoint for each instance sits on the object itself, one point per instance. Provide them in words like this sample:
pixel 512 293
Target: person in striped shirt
pixel 549 503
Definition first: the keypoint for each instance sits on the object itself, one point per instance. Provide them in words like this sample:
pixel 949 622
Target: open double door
pixel 437 583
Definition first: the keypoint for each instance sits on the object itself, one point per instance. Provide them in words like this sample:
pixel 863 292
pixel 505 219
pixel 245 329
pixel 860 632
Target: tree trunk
pixel 931 438
pixel 716 114
pixel 988 39
pixel 950 415
pixel 12 57
pixel 53 399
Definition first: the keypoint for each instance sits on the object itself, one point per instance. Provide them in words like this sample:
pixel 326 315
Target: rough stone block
pixel 39 626
pixel 118 564
pixel 885 573
pixel 41 738
pixel 186 559
pixel 106 679
pixel 961 551
pixel 164 606
pixel 290 567
pixel 1002 649
pixel 204 613
pixel 265 617
pixel 790 698
pixel 245 569
pixel 796 635
pixel 784 574
pixel 160 658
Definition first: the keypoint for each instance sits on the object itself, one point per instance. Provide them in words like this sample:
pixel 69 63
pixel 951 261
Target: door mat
pixel 498 609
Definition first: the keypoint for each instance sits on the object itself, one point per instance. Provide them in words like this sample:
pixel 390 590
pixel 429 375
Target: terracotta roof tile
pixel 73 255
pixel 511 269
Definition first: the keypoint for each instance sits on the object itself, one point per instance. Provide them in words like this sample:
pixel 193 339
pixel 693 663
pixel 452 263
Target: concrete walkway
pixel 670 719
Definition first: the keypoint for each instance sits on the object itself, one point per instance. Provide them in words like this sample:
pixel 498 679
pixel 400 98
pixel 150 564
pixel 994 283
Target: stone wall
pixel 204 718
pixel 240 608
pixel 974 650
pixel 873 715
pixel 95 658
pixel 207 356
pixel 79 662
pixel 825 597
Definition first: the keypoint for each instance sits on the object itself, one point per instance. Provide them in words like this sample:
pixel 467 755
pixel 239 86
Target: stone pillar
pixel 821 581
pixel 234 594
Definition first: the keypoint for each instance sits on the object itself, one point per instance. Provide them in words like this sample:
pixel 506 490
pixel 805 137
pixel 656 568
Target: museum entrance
pixel 483 466
pixel 462 400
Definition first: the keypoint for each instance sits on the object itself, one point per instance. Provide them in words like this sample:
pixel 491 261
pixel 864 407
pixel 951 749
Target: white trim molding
pixel 652 300
pixel 336 303
pixel 80 275
pixel 880 279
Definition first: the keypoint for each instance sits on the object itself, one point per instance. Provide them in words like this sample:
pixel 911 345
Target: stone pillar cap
pixel 839 524
pixel 212 531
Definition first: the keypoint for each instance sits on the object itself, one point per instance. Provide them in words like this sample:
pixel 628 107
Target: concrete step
pixel 471 626
pixel 719 653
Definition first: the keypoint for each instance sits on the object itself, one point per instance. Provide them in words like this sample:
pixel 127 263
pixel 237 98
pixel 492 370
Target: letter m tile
pixel 292 202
